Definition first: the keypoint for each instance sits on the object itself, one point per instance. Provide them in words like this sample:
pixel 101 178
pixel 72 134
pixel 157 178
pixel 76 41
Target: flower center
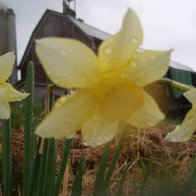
pixel 118 100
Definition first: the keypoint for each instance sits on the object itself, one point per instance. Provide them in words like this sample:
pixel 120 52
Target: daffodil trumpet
pixel 7 92
pixel 110 85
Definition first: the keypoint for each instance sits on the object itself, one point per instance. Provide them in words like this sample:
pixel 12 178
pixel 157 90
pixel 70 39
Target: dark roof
pixel 92 31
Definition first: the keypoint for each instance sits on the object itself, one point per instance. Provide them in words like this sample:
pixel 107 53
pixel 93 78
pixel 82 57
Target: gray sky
pixel 166 23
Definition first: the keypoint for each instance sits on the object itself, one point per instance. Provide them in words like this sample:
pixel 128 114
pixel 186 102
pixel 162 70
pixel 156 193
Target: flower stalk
pixel 175 85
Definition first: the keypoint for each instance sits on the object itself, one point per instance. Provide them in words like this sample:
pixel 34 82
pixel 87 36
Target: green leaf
pixel 77 186
pixel 59 180
pixel 6 150
pixel 29 137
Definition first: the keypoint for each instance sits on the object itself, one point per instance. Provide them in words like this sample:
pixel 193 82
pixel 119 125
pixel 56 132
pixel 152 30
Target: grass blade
pixel 189 184
pixel 122 180
pixel 6 148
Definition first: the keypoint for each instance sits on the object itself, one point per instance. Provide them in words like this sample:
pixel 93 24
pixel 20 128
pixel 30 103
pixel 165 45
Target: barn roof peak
pixel 66 8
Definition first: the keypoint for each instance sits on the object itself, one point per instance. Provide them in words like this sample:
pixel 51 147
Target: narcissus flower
pixel 108 87
pixel 7 92
pixel 184 131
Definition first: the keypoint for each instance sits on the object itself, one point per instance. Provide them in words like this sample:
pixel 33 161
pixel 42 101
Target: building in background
pixel 65 24
pixel 8 35
pixel 56 24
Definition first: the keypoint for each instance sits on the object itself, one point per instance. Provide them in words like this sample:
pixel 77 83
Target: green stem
pixel 60 175
pixel 48 157
pixel 176 85
pixel 116 155
pixel 6 135
pixel 28 130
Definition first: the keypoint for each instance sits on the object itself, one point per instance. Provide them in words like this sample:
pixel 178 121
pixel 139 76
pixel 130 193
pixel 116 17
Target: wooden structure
pixel 66 25
pixel 59 25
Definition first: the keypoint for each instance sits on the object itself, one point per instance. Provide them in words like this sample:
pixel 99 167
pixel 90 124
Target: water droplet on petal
pixel 70 50
pixel 133 64
pixel 108 50
pixel 67 120
pixel 62 51
pixel 65 74
pixel 134 39
pixel 49 72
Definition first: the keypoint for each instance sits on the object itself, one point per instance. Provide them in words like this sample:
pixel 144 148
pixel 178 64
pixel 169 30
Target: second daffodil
pixel 109 86
pixel 7 92
pixel 183 132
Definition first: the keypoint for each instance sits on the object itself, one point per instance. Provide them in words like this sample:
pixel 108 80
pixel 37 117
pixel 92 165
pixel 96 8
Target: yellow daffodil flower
pixel 109 86
pixel 184 131
pixel 7 92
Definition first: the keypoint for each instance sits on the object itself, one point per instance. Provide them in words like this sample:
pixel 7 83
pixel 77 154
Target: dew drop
pixel 62 51
pixel 67 120
pixel 56 80
pixel 134 39
pixel 123 75
pixel 65 74
pixel 108 50
pixel 70 50
pixel 133 64
pixel 49 72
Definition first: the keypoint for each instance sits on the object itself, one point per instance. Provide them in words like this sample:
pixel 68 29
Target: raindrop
pixel 134 39
pixel 82 79
pixel 56 81
pixel 65 74
pixel 123 75
pixel 49 72
pixel 70 50
pixel 108 50
pixel 67 120
pixel 148 112
pixel 133 64
pixel 62 51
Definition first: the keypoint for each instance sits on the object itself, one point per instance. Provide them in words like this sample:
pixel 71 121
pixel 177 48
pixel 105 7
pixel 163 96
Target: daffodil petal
pixel 147 66
pixel 184 132
pixel 97 130
pixel 148 115
pixel 67 115
pixel 67 62
pixel 117 50
pixel 6 65
pixel 191 96
pixel 9 94
pixel 121 101
pixel 4 110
